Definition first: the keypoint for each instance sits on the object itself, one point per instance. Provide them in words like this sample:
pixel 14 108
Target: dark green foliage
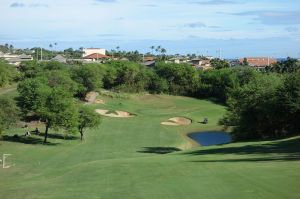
pixel 50 98
pixel 157 84
pixel 7 74
pixel 74 54
pixel 290 65
pixel 266 107
pixel 219 64
pixel 88 118
pixel 126 76
pixel 58 111
pixel 89 77
pixel 32 94
pixel 30 69
pixel 9 113
pixel 218 84
pixel 245 62
pixel 182 79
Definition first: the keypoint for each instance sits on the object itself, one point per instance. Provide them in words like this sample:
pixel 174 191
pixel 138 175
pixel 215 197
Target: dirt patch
pixel 177 121
pixel 91 98
pixel 99 101
pixel 121 114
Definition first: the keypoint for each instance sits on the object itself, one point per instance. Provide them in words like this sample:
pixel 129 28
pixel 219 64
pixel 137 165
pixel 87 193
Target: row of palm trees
pixel 158 50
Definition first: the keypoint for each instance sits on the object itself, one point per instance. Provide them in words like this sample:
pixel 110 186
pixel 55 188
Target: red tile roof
pixel 96 56
pixel 259 61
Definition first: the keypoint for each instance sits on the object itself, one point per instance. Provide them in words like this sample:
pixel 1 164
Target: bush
pixel 7 74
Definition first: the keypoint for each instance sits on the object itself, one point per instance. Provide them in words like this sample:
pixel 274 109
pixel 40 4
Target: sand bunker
pixel 91 98
pixel 99 101
pixel 177 121
pixel 108 113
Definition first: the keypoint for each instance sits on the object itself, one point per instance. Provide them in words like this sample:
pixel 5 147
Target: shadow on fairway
pixel 288 150
pixel 26 140
pixel 59 136
pixel 159 150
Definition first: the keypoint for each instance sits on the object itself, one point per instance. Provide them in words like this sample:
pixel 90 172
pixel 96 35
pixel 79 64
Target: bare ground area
pixel 91 98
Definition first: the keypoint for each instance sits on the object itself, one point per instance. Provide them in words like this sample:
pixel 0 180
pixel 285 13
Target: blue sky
pixel 239 27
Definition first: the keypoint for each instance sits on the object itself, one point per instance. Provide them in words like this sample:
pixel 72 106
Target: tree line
pixel 52 90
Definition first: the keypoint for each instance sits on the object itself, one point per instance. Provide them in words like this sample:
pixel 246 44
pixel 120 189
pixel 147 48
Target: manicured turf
pixel 125 158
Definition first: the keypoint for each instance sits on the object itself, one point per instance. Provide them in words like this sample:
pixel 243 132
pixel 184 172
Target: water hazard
pixel 211 138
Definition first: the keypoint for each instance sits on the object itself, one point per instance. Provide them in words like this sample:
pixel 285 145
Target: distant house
pixel 259 62
pixel 178 60
pixel 124 59
pixel 59 58
pixel 149 63
pixel 7 55
pixel 149 58
pixel 90 51
pixel 201 63
pixel 16 59
pixel 95 57
pixel 196 61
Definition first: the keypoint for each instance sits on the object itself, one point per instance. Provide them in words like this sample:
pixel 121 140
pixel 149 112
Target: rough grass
pixel 139 158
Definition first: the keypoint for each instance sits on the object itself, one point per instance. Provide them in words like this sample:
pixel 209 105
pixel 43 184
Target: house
pixel 17 59
pixel 124 59
pixel 59 58
pixel 177 60
pixel 201 63
pixel 95 57
pixel 7 55
pixel 149 58
pixel 89 51
pixel 259 62
pixel 149 63
pixel 196 61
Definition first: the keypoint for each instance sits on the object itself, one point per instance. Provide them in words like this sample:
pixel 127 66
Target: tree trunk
pixel 46 134
pixel 81 134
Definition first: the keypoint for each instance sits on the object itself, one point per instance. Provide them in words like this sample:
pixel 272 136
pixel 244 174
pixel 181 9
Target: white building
pixel 89 51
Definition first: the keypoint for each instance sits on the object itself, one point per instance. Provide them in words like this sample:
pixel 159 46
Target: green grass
pixel 124 159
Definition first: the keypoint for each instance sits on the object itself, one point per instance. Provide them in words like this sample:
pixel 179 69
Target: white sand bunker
pixel 108 113
pixel 177 121
pixel 91 98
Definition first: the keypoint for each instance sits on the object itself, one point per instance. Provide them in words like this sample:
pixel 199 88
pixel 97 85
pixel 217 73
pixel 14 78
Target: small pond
pixel 210 138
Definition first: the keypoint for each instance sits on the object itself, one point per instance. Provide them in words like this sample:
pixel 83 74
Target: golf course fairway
pixel 139 158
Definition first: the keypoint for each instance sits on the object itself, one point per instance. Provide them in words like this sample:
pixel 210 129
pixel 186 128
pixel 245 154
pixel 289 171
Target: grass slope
pixel 125 158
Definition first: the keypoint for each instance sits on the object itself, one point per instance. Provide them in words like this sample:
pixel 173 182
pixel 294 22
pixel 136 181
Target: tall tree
pixel 152 48
pixel 219 64
pixel 58 112
pixel 88 118
pixel 9 113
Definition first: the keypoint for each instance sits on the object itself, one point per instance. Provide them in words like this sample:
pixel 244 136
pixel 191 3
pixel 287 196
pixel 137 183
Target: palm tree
pixel 11 47
pixel 152 48
pixel 51 46
pixel 163 51
pixel 55 44
pixel 158 49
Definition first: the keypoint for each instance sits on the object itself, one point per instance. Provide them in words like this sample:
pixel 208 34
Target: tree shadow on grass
pixel 26 140
pixel 286 150
pixel 159 150
pixel 59 136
